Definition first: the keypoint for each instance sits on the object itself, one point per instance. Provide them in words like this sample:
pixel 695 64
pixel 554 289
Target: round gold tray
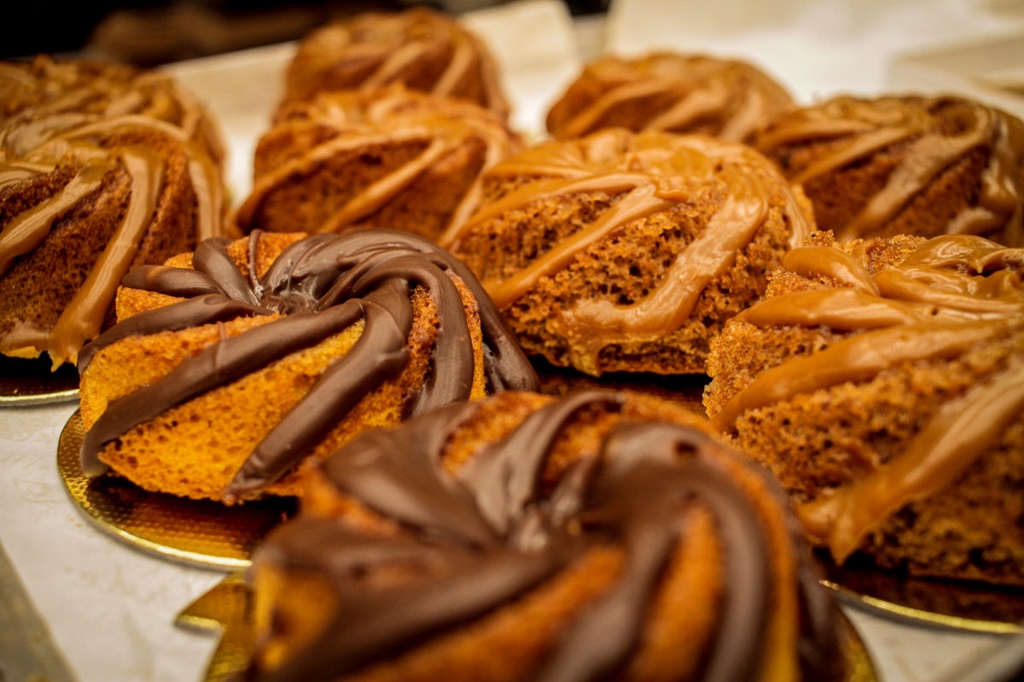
pixel 227 609
pixel 963 606
pixel 33 382
pixel 195 532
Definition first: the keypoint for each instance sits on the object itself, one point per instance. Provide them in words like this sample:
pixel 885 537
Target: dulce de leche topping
pixel 317 287
pixel 490 532
pixel 952 294
pixel 91 122
pixel 643 174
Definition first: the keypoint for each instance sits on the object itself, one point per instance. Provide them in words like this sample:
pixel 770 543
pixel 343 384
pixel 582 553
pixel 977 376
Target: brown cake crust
pixel 419 47
pixel 391 158
pixel 102 166
pixel 905 165
pixel 233 368
pixel 627 252
pixel 535 526
pixel 881 381
pixel 670 91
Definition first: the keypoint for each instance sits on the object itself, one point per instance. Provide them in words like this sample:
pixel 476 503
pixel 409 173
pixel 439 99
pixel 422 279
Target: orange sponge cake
pixel 905 165
pixel 392 158
pixel 605 535
pixel 881 381
pixel 230 368
pixel 102 166
pixel 627 251
pixel 678 93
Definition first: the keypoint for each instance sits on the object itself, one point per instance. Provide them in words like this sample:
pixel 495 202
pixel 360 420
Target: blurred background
pixel 155 32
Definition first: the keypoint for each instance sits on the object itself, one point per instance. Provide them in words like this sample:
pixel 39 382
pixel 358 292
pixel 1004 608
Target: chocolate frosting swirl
pixel 315 288
pixel 498 532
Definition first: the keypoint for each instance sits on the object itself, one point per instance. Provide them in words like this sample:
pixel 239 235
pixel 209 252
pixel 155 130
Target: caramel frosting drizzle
pixel 593 324
pixel 82 318
pixel 391 116
pixel 959 433
pixel 28 229
pixel 645 174
pixel 953 293
pixel 315 288
pixel 490 532
pixel 79 115
pixel 866 127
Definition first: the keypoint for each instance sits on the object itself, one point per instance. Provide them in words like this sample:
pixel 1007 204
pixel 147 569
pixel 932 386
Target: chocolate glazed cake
pixel 604 535
pixel 233 366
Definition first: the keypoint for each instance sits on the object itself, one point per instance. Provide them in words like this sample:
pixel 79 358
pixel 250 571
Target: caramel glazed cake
pixel 905 165
pixel 101 166
pixel 882 381
pixel 391 157
pixel 420 48
pixel 603 535
pixel 678 93
pixel 231 368
pixel 627 252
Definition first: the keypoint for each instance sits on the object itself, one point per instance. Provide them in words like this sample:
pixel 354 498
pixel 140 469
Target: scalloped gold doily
pixel 196 532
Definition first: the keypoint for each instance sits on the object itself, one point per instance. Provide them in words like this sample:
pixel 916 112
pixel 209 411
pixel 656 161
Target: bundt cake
pixel 679 93
pixel 231 367
pixel 391 158
pixel 419 47
pixel 101 166
pixel 627 251
pixel 905 165
pixel 882 381
pixel 604 535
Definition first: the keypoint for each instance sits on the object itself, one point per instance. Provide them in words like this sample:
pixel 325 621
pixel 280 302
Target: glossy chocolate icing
pixel 496 533
pixel 315 288
pixel 95 119
pixel 952 294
